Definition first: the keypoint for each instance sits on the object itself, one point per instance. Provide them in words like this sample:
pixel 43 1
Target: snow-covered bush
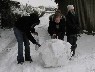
pixel 55 53
pixel 26 10
pixel 23 10
pixel 41 11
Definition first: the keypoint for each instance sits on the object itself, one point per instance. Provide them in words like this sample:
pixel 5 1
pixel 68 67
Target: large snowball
pixel 55 53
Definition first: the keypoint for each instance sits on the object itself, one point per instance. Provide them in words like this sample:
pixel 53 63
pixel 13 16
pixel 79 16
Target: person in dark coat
pixel 72 27
pixel 56 27
pixel 23 28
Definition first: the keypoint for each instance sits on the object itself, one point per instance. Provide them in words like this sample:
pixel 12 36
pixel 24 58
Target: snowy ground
pixel 84 61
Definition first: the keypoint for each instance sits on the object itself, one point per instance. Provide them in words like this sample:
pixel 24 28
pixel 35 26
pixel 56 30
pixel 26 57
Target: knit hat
pixel 69 7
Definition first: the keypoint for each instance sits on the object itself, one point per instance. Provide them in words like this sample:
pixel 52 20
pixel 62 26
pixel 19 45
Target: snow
pixel 37 3
pixel 84 60
pixel 55 52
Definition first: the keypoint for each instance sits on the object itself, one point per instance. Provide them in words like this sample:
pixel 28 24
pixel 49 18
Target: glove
pixel 38 44
pixel 78 35
pixel 54 36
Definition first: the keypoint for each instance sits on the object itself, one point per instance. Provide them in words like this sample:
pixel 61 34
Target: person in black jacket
pixel 56 27
pixel 72 27
pixel 23 28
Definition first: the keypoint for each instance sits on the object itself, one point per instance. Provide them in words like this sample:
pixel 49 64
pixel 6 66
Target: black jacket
pixel 72 24
pixel 26 24
pixel 52 29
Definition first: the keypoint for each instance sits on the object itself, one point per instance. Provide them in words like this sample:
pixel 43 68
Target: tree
pixel 7 17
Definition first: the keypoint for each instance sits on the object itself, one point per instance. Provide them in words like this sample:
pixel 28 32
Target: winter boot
pixel 73 53
pixel 73 48
pixel 28 59
pixel 20 60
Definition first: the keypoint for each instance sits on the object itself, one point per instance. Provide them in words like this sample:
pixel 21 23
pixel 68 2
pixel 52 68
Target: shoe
pixel 20 60
pixel 73 52
pixel 28 59
pixel 73 55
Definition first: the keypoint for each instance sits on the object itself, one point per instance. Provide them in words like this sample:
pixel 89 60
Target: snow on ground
pixel 84 61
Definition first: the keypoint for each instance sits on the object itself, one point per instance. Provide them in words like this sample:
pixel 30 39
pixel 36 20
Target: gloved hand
pixel 38 44
pixel 78 35
pixel 54 36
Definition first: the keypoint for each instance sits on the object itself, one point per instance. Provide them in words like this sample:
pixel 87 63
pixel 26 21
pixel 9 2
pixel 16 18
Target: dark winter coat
pixel 72 24
pixel 26 24
pixel 51 17
pixel 52 29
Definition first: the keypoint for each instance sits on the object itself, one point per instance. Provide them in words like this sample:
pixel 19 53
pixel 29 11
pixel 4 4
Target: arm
pixel 78 25
pixel 31 38
pixel 51 28
pixel 32 30
pixel 63 23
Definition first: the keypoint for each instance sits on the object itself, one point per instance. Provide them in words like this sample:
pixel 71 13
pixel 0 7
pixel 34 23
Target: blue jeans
pixel 21 37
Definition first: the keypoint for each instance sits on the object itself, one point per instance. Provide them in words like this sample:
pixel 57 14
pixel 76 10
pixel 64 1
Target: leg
pixel 74 45
pixel 19 37
pixel 71 39
pixel 27 48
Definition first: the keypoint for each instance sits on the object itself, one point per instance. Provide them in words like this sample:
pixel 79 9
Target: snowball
pixel 55 52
